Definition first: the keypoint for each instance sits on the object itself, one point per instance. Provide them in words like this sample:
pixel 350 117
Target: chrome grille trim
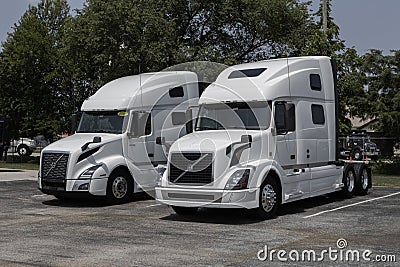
pixel 191 168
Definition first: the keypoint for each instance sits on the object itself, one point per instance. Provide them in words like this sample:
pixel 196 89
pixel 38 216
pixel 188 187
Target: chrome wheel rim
pixel 268 198
pixel 119 187
pixel 364 179
pixel 350 181
pixel 22 151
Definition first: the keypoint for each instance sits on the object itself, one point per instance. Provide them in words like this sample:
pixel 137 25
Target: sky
pixel 364 24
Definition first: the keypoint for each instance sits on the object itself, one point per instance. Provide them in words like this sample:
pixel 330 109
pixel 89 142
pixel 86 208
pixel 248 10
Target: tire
pixel 23 150
pixel 362 179
pixel 349 180
pixel 119 187
pixel 268 200
pixel 356 154
pixel 184 210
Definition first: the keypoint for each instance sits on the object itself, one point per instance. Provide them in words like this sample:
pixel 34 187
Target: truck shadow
pixel 244 216
pixel 90 201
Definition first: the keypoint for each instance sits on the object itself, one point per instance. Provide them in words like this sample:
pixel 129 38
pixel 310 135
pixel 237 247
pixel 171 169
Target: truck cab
pixel 266 134
pixel 123 137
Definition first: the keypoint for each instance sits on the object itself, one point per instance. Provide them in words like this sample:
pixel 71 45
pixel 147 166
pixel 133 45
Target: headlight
pixel 89 172
pixel 160 170
pixel 239 179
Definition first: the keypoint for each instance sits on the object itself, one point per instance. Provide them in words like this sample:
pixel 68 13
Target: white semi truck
pixel 123 136
pixel 266 134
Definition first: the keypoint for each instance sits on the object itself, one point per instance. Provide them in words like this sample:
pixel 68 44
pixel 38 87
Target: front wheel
pixel 184 210
pixel 269 199
pixel 119 187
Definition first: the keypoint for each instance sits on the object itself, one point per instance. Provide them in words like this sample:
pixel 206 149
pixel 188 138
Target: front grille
pixel 54 169
pixel 191 168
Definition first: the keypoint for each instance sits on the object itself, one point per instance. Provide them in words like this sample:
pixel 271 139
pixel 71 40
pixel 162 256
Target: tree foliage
pixel 113 39
pixel 51 62
pixel 382 83
pixel 31 72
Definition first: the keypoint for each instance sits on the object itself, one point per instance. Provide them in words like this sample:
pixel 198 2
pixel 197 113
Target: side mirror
pixel 246 138
pixel 96 139
pixel 189 127
pixel 74 122
pixel 160 140
pixel 189 122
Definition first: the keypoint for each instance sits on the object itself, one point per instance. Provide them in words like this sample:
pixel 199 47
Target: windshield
pixel 102 122
pixel 238 115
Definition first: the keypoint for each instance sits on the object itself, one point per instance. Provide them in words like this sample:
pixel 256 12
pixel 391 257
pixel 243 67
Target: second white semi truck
pixel 123 136
pixel 266 134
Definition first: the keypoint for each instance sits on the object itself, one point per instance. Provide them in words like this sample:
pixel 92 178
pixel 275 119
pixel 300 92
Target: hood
pixel 210 141
pixel 76 141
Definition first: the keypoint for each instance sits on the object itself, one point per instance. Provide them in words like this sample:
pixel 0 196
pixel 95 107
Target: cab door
pixel 140 148
pixel 297 175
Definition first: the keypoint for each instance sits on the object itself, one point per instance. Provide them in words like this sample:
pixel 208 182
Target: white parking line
pixel 350 205
pixel 154 205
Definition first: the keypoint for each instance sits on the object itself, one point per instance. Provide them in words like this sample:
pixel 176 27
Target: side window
pixel 285 117
pixel 147 130
pixel 176 92
pixel 178 118
pixel 315 82
pixel 317 112
pixel 141 124
pixel 280 117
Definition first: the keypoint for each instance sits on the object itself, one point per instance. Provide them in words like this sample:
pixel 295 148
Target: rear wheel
pixel 362 180
pixel 349 178
pixel 119 187
pixel 269 199
pixel 184 210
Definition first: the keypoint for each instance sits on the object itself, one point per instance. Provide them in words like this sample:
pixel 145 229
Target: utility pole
pixel 324 16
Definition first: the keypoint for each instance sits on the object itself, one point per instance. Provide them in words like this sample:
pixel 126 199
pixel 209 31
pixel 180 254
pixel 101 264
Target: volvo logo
pixel 54 164
pixel 190 167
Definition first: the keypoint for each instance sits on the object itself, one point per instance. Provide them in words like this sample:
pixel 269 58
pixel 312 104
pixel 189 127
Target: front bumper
pixel 185 197
pixel 95 186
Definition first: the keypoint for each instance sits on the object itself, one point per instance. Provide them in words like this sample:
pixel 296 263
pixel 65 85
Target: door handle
pixel 297 171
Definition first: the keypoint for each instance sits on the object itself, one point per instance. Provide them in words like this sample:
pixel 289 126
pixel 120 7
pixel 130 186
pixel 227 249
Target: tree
pixel 110 39
pixel 31 70
pixel 319 42
pixel 383 89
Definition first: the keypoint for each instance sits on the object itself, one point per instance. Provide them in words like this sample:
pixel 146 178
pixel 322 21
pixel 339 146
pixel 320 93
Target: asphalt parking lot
pixel 39 230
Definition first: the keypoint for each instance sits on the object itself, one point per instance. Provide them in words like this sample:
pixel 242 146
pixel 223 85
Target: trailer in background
pixel 358 146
